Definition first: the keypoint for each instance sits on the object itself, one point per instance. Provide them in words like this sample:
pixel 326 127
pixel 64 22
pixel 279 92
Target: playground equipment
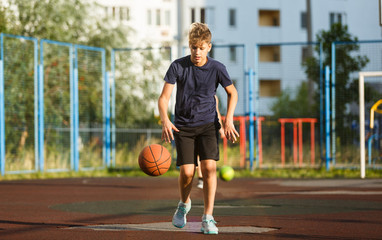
pixel 298 121
pixel 373 135
pixel 243 140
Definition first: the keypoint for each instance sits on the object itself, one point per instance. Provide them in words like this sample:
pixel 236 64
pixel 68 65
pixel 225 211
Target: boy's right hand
pixel 167 134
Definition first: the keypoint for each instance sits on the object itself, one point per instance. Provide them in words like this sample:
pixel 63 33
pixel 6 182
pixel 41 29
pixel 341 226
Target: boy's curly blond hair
pixel 199 33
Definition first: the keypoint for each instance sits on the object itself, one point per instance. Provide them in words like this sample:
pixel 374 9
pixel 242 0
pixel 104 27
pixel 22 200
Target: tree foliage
pixel 347 62
pixel 76 22
pixel 73 21
pixel 298 107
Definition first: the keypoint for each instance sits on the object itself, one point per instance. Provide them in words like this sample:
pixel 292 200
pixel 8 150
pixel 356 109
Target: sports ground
pixel 142 208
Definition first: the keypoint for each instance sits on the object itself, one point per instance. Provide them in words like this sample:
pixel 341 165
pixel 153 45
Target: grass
pixel 289 173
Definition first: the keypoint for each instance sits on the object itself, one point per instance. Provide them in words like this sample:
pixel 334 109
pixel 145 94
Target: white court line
pixel 168 227
pixel 334 192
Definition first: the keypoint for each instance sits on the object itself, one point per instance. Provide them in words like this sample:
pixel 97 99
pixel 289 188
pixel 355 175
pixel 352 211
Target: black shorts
pixel 193 141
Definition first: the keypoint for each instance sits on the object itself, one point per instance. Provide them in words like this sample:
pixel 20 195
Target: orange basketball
pixel 154 160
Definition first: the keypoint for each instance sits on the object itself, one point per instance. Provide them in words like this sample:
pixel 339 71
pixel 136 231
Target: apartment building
pixel 237 27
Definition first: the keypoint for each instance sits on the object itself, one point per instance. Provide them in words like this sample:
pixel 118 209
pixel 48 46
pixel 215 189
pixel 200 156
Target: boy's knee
pixel 187 173
pixel 209 168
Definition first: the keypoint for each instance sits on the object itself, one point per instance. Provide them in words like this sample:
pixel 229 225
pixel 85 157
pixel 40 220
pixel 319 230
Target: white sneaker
pixel 200 183
pixel 209 227
pixel 179 219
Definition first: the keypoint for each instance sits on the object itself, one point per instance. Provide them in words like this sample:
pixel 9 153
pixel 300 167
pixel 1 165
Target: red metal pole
pixel 260 143
pixel 300 141
pixel 282 143
pixel 295 142
pixel 312 149
pixel 243 140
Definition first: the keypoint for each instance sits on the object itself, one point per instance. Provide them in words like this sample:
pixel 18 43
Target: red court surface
pixel 142 208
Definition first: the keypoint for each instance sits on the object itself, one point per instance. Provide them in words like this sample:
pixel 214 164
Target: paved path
pixel 141 208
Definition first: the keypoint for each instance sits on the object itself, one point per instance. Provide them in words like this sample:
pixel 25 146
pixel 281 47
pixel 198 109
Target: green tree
pixel 73 21
pixel 347 62
pixel 297 107
pixel 76 22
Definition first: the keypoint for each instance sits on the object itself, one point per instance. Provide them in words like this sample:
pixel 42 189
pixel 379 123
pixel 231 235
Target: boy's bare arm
pixel 167 125
pixel 229 128
pixel 221 130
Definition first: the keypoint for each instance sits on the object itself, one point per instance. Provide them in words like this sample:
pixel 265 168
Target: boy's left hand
pixel 230 131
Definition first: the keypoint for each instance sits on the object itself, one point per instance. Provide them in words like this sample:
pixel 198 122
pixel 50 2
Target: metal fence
pixel 53 106
pixel 18 104
pixel 345 145
pixel 137 82
pixel 289 100
pixel 61 111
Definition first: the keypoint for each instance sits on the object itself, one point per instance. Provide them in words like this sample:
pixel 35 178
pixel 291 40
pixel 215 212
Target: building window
pixel 232 54
pixel 168 17
pixel 124 13
pixel 192 15
pixel 303 20
pixel 149 17
pixel 203 15
pixel 210 16
pixel 270 88
pixel 269 54
pixel 106 11
pixel 232 17
pixel 337 18
pixel 269 18
pixel 158 17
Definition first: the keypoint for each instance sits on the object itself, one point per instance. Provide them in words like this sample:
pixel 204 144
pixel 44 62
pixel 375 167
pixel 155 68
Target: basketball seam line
pixel 155 160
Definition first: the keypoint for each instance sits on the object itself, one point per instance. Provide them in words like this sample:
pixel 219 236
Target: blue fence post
pixel 327 115
pixel 2 120
pixel 113 137
pixel 333 103
pixel 107 119
pixel 322 112
pixel 40 110
pixel 75 114
pixel 251 122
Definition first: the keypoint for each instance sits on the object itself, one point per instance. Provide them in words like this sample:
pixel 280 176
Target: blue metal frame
pixel 255 103
pixel 2 120
pixel 112 101
pixel 105 107
pixel 251 115
pixel 113 134
pixel 2 112
pixel 41 102
pixel 40 120
pixel 257 82
pixel 327 115
pixel 333 103
pixel 322 113
pixel 333 73
pixel 75 116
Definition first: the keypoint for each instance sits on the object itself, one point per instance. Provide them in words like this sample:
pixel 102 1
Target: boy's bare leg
pixel 210 184
pixel 186 176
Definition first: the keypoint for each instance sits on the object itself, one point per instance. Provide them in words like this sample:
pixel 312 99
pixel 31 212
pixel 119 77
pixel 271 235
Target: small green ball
pixel 226 173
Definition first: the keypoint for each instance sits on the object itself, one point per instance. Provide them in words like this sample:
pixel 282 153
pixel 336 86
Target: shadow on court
pixel 142 208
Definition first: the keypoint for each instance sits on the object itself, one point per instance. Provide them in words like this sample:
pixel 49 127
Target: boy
pixel 196 124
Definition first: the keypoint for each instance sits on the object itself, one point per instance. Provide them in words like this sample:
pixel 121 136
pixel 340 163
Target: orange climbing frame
pixel 242 131
pixel 299 122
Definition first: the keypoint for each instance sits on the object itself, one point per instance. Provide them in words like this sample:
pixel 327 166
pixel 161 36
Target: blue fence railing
pixel 60 110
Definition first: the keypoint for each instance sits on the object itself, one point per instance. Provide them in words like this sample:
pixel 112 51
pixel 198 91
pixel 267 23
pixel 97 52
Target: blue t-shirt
pixel 196 90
